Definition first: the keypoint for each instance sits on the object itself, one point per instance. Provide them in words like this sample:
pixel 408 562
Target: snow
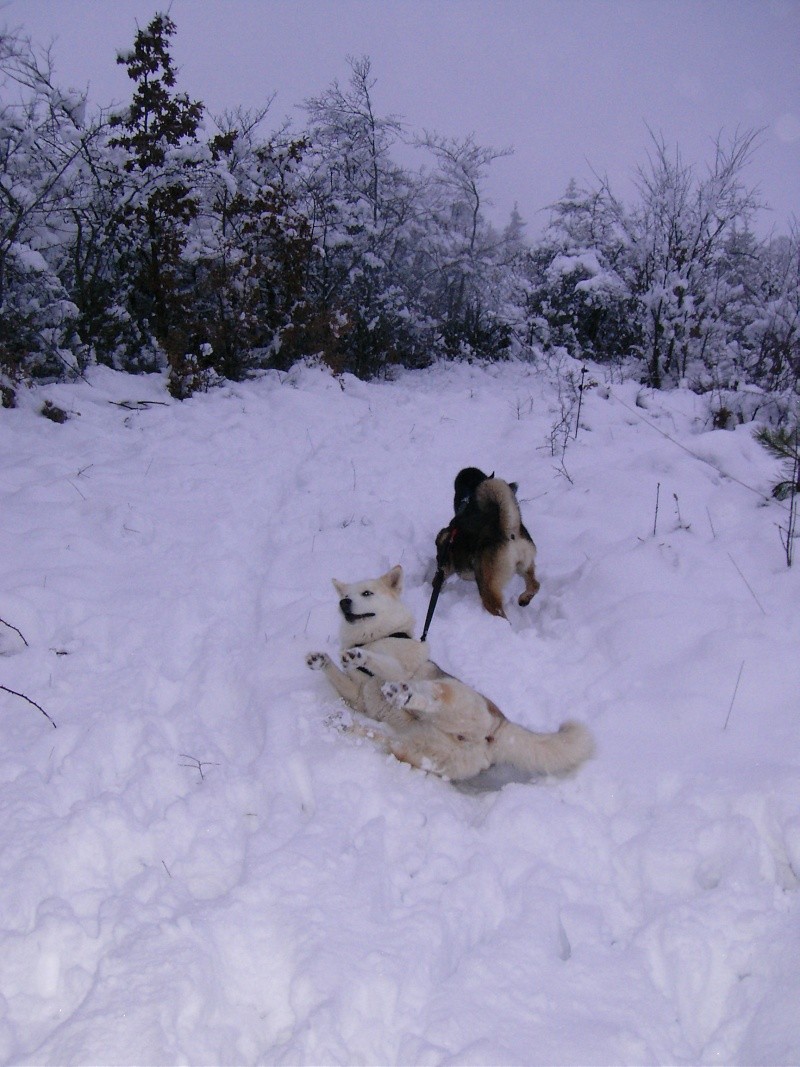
pixel 200 867
pixel 569 264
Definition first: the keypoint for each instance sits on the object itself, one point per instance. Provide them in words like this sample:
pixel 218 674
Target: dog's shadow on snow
pixel 494 779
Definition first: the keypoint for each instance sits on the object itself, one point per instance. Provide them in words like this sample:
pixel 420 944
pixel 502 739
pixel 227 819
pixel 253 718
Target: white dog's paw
pixel 353 657
pixel 336 721
pixel 397 694
pixel 318 661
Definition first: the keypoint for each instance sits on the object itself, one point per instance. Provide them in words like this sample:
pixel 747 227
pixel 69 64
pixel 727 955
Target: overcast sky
pixel 571 85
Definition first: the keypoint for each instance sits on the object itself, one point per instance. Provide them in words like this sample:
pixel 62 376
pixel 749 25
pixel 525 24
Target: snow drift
pixel 199 867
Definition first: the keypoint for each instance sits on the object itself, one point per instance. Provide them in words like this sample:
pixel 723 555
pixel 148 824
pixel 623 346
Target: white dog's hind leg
pixel 419 696
pixel 448 705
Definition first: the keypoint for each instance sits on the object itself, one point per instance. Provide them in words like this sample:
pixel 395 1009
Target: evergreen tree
pixel 158 135
pixel 784 444
pixel 580 296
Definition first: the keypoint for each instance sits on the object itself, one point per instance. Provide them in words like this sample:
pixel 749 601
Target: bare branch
pixel 16 631
pixel 22 696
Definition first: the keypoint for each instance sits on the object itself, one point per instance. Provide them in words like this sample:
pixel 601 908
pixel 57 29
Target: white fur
pixel 434 721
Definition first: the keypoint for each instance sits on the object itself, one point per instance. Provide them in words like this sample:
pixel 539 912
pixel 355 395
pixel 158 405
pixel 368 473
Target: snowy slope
pixel 198 867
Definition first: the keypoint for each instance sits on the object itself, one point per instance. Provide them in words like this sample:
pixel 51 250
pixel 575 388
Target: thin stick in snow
pixel 580 401
pixel 733 561
pixel 655 518
pixel 681 524
pixel 711 524
pixel 16 631
pixel 735 691
pixel 22 696
pixel 790 531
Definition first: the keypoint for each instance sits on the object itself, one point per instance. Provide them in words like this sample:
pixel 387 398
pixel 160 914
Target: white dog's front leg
pixel 345 686
pixel 377 664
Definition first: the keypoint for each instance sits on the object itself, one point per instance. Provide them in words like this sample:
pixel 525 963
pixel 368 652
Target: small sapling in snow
pixel 784 444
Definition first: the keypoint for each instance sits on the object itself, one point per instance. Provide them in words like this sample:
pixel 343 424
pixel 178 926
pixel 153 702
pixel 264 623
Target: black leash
pixel 438 579
pixel 438 582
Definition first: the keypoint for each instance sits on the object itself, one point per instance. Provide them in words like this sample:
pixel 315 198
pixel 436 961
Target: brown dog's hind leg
pixel 490 589
pixel 532 587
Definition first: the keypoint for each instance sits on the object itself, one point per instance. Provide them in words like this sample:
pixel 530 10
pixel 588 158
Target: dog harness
pixel 402 636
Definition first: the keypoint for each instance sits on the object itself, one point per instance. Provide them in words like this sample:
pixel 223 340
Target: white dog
pixel 433 721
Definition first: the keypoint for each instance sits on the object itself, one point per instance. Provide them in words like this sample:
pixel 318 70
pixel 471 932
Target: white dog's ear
pixel 394 579
pixel 340 588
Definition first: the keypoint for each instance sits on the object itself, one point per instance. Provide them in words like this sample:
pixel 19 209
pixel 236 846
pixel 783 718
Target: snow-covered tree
pixel 135 240
pixel 42 144
pixel 249 250
pixel 580 295
pixel 773 319
pixel 363 211
pixel 462 258
pixel 678 235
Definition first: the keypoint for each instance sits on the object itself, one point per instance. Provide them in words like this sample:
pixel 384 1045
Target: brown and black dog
pixel 486 539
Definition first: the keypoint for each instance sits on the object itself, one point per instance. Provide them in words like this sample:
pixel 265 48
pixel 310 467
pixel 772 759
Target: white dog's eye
pixel 367 592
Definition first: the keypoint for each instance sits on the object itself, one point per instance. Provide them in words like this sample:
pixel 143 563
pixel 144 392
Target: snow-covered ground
pixel 198 867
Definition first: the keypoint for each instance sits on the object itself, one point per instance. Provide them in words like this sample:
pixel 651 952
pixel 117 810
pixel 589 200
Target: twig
pixel 790 530
pixel 22 696
pixel 562 470
pixel 681 524
pixel 733 561
pixel 711 524
pixel 16 631
pixel 197 764
pixel 735 691
pixel 580 401
pixel 655 518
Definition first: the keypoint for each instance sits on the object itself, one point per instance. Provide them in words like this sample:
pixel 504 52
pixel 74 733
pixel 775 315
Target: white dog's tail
pixel 535 753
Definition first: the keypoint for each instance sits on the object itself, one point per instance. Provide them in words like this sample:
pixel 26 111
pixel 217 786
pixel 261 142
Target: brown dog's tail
pixel 495 495
pixel 556 753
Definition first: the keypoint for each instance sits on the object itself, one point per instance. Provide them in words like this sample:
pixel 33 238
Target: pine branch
pixel 783 490
pixel 780 443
